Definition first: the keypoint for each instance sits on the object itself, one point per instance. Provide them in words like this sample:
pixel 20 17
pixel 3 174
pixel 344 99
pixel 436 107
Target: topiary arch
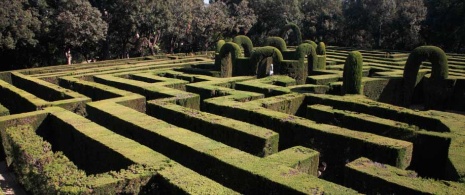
pixel 439 71
pixel 227 58
pixel 295 29
pixel 219 44
pixel 277 42
pixel 261 68
pixel 245 43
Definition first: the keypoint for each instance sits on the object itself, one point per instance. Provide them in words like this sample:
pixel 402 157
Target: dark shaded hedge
pixel 352 76
pixel 295 29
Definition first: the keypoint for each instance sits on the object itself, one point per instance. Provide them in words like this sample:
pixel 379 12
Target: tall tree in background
pixel 79 27
pixel 445 24
pixel 390 24
pixel 210 22
pixel 272 15
pixel 19 25
pixel 323 20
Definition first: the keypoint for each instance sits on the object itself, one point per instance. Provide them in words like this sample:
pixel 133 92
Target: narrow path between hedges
pixel 8 181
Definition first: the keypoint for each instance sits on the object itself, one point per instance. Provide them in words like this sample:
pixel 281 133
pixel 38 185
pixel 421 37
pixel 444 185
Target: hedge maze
pixel 198 124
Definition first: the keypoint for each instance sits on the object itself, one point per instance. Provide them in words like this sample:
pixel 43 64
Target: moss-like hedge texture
pixel 311 43
pixel 352 76
pixel 277 42
pixel 371 177
pixel 262 58
pixel 439 72
pixel 295 29
pixel 245 43
pixel 219 45
pixel 321 48
pixel 227 58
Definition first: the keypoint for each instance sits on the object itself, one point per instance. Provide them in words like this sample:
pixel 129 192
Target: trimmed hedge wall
pixel 246 137
pixel 245 43
pixel 352 76
pixel 439 71
pixel 295 29
pixel 296 130
pixel 321 48
pixel 260 65
pixel 428 146
pixel 277 42
pixel 227 57
pixel 4 111
pixel 231 167
pixel 370 177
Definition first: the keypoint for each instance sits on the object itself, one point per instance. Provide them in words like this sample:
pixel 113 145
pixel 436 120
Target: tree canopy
pixel 40 32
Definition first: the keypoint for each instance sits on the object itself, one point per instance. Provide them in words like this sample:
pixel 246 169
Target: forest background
pixel 37 33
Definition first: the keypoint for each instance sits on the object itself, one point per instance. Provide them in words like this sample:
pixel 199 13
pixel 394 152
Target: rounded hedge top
pixel 245 43
pixel 295 29
pixel 321 48
pixel 277 42
pixel 219 44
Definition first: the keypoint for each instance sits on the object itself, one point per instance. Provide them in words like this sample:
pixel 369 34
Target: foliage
pixel 295 32
pixel 245 43
pixel 18 24
pixel 440 70
pixel 352 76
pixel 277 42
pixel 36 33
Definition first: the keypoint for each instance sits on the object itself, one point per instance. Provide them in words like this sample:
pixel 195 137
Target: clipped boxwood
pixel 226 59
pixel 260 68
pixel 219 44
pixel 277 42
pixel 311 43
pixel 439 71
pixel 321 48
pixel 352 76
pixel 295 29
pixel 245 43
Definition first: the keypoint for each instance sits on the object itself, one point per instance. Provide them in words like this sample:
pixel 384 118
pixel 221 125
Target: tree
pixel 18 24
pixel 272 15
pixel 79 26
pixel 445 24
pixel 210 22
pixel 323 20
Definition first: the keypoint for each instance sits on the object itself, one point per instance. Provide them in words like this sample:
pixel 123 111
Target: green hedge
pixel 219 45
pixel 246 137
pixel 226 60
pixel 4 111
pixel 245 43
pixel 439 71
pixel 295 29
pixel 38 168
pixel 277 42
pixel 321 48
pixel 260 66
pixel 370 177
pixel 352 76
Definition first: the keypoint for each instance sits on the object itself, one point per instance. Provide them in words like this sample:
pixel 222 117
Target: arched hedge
pixel 439 71
pixel 245 43
pixel 295 29
pixel 219 44
pixel 227 58
pixel 259 54
pixel 277 42
pixel 311 43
